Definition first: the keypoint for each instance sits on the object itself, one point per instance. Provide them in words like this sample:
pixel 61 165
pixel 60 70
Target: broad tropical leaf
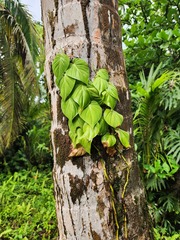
pixel 103 126
pixel 79 70
pixel 69 108
pixel 92 113
pixel 113 118
pixel 60 65
pixel 100 84
pixel 77 122
pixel 108 140
pixel 112 90
pixel 123 137
pixel 81 96
pixel 66 86
pixel 90 132
pixel 108 100
pixel 103 73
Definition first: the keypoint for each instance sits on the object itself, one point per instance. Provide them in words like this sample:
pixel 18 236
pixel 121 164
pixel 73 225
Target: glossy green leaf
pixel 79 70
pixel 103 126
pixel 76 136
pixel 100 84
pixel 86 144
pixel 109 100
pixel 123 137
pixel 92 113
pixel 59 65
pixel 113 118
pixel 79 138
pixel 66 86
pixel 91 132
pixel 81 96
pixel 103 73
pixel 69 108
pixel 77 122
pixel 94 94
pixel 112 90
pixel 73 137
pixel 108 140
pixel 79 133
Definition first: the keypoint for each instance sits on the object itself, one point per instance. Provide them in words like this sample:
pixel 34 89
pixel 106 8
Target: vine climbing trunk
pixel 97 196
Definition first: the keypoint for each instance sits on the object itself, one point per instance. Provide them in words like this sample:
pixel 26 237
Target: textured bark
pixel 90 29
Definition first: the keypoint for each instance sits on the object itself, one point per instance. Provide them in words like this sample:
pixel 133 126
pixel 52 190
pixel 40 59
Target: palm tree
pixel 18 53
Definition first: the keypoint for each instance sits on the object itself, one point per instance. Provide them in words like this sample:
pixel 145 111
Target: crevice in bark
pixel 70 214
pixel 63 217
pixel 51 17
pixel 95 236
pixel 52 80
pixel 56 3
pixel 62 20
pixel 84 5
pixel 59 111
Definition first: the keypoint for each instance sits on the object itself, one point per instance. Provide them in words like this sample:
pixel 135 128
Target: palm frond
pixel 22 37
pixel 23 24
pixel 17 68
pixel 11 98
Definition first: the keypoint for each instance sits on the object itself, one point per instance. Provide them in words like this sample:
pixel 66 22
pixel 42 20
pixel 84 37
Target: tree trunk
pixel 94 197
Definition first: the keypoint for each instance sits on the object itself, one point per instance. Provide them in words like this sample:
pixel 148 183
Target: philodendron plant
pixel 88 105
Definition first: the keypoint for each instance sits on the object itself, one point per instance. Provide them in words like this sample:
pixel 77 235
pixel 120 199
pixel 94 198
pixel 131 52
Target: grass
pixel 27 206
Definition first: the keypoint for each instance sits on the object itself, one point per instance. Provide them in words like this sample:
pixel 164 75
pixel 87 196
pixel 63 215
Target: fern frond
pixel 169 202
pixel 172 143
pixel 170 94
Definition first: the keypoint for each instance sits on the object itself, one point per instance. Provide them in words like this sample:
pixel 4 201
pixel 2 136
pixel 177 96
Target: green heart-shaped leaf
pixel 108 140
pixel 66 86
pixel 100 84
pixel 75 123
pixel 79 70
pixel 123 137
pixel 59 66
pixel 113 118
pixel 94 94
pixel 73 137
pixel 109 100
pixel 81 96
pixel 69 108
pixel 86 144
pixel 103 126
pixel 92 113
pixel 90 132
pixel 112 90
pixel 103 73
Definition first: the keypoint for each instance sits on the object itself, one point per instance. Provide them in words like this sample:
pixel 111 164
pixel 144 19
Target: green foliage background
pixel 151 40
pixel 27 209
